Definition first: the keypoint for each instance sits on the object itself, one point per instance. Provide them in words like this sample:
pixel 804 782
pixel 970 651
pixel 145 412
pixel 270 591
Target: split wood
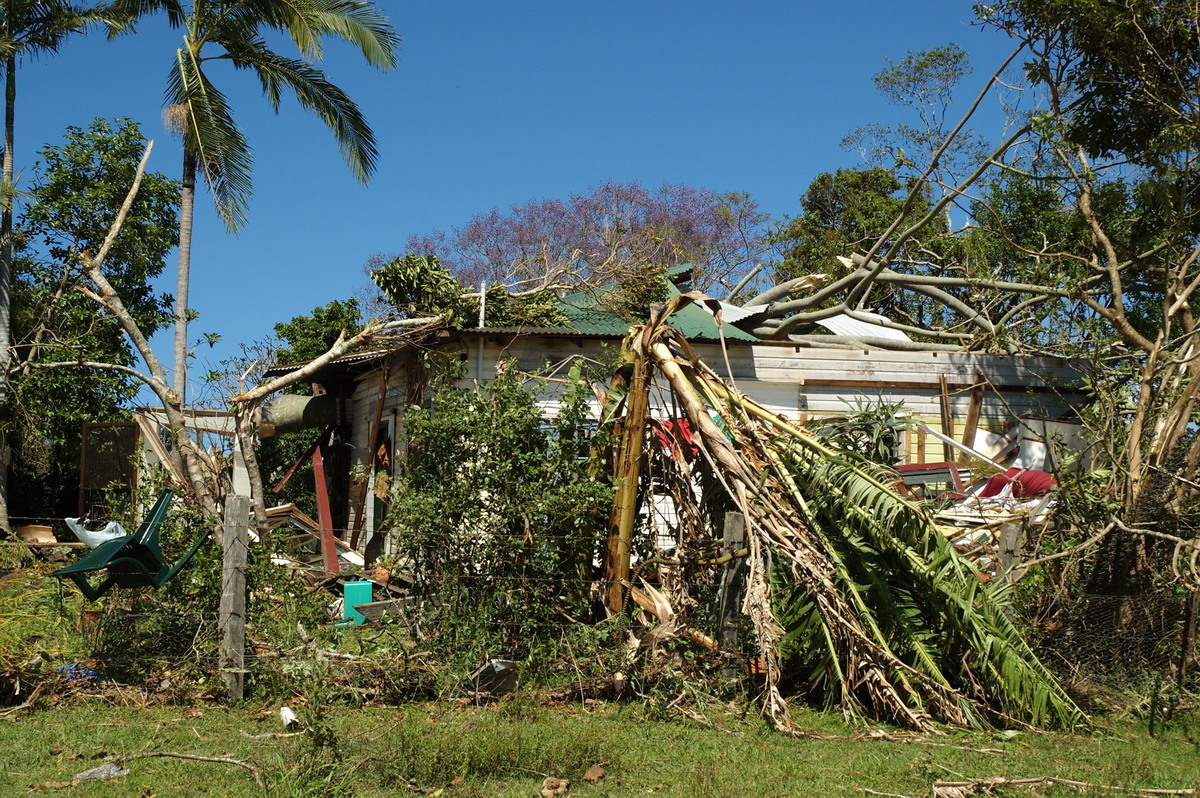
pixel 271 735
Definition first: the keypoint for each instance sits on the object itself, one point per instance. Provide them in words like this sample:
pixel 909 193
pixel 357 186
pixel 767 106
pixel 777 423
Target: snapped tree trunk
pixel 244 423
pixel 627 473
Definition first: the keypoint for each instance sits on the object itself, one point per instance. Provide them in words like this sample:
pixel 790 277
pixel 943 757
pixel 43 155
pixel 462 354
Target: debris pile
pixel 853 592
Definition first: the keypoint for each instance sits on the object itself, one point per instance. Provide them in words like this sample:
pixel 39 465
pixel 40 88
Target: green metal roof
pixel 586 316
pixel 694 322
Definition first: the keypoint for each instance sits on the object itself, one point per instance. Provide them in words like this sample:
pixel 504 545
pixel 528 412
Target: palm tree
pixel 30 28
pixel 232 31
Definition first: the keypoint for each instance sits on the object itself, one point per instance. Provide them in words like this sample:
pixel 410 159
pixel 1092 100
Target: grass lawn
pixel 455 750
pixel 507 749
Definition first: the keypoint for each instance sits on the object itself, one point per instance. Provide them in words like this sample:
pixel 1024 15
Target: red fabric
pixel 675 434
pixel 1025 482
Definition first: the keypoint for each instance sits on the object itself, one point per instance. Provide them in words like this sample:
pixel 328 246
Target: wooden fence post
pixel 729 591
pixel 1012 537
pixel 236 543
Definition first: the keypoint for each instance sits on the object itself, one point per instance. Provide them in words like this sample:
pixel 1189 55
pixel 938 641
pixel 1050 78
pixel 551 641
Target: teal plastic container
pixel 357 592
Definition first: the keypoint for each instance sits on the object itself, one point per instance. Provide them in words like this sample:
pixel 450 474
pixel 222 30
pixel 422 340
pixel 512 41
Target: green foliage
pixel 35 632
pixel 495 511
pixel 1031 231
pixel 419 285
pixel 870 429
pixel 79 187
pixel 1141 57
pixel 932 73
pixel 317 757
pixel 637 289
pixel 924 81
pixel 540 309
pixel 925 605
pixel 310 336
pixel 842 213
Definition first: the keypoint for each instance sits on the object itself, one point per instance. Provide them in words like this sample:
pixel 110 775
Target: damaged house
pixel 1002 410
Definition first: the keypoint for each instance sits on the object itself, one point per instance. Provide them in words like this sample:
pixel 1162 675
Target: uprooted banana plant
pixel 852 592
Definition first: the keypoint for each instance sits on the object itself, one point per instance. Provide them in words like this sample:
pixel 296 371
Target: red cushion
pixel 1026 482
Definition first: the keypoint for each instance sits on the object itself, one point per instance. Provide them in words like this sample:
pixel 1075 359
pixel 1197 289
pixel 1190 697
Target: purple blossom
pixel 591 237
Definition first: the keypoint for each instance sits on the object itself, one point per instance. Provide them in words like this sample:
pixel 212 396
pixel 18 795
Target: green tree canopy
pixel 841 213
pixel 79 185
pixel 28 28
pixel 924 82
pixel 1124 77
pixel 306 337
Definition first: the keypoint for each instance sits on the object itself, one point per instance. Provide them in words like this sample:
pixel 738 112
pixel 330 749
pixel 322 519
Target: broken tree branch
pixel 372 331
pixel 954 789
pixel 224 760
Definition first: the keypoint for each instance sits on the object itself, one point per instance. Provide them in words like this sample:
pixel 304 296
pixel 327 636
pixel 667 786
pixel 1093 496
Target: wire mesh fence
pixel 1119 640
pixel 1115 641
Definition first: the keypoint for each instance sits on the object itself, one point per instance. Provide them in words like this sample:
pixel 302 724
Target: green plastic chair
pixel 131 561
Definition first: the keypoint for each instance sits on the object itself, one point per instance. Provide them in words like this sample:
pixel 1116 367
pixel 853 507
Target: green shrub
pixel 496 512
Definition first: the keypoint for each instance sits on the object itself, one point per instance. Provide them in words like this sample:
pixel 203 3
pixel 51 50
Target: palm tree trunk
pixel 627 474
pixel 6 256
pixel 187 199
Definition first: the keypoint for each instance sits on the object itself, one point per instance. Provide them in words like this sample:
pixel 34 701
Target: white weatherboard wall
pixel 798 382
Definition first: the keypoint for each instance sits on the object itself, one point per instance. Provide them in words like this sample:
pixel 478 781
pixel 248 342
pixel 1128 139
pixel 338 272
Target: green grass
pixel 507 749
pixel 469 752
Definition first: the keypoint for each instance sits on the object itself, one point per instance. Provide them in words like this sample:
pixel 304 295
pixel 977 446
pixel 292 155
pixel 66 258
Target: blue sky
pixel 494 104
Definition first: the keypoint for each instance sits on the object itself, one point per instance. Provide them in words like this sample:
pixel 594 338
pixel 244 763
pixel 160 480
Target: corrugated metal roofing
pixel 696 323
pixel 842 324
pixel 345 360
pixel 585 316
pixel 732 313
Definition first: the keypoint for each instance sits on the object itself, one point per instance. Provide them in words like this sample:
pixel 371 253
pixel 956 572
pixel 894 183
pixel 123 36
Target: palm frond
pixel 317 94
pixel 122 16
pixel 294 19
pixel 32 28
pixel 212 134
pixel 360 23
